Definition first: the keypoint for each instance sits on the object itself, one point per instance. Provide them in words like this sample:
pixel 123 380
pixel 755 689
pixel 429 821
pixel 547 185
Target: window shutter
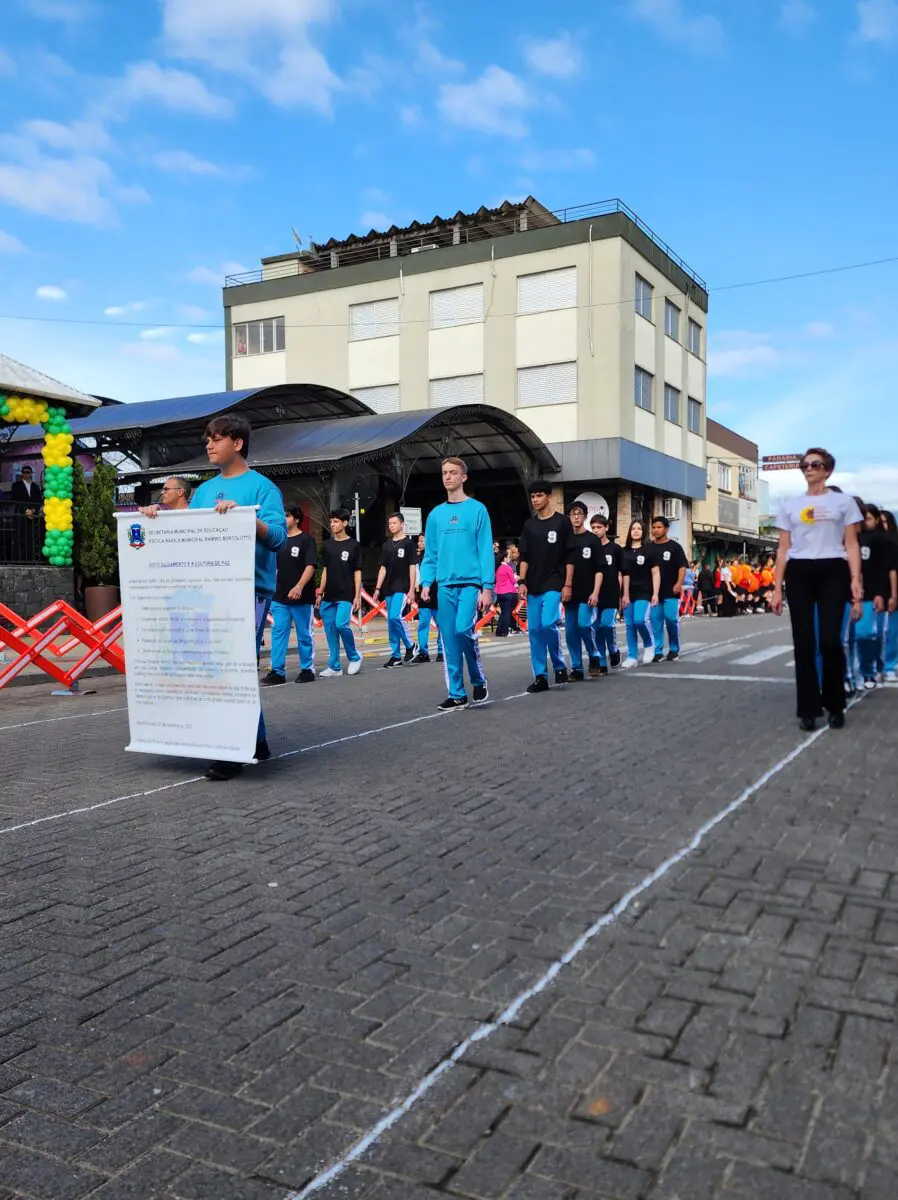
pixel 554 383
pixel 378 318
pixel 383 399
pixel 456 389
pixel 456 306
pixel 547 290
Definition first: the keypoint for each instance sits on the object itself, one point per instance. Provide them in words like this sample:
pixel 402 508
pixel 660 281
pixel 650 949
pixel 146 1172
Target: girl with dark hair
pixel 890 642
pixel 879 582
pixel 819 560
pixel 641 577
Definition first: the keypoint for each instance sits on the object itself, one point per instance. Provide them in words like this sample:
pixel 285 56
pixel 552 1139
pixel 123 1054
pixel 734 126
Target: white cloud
pixel 797 15
pixel 877 20
pixel 7 65
pixel 743 362
pixel 820 331
pixel 179 91
pixel 153 335
pixel 192 312
pixel 536 160
pixel 876 484
pixel 272 49
pixel 182 162
pixel 371 219
pixel 151 351
pixel 556 57
pixel 83 189
pixel 206 275
pixel 49 291
pixel 10 244
pixel 431 61
pixel 77 137
pixel 121 310
pixel 702 34
pixel 492 104
pixel 206 339
pixel 411 115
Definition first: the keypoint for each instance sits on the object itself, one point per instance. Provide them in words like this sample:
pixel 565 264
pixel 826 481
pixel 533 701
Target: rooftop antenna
pixel 297 240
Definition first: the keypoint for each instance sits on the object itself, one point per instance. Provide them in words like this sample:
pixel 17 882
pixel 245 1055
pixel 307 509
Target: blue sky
pixel 148 148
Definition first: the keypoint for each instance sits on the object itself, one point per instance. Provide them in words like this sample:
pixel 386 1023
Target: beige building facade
pixel 728 516
pixel 586 327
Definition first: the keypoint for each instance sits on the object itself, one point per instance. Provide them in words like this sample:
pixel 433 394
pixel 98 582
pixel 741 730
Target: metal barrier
pixel 32 644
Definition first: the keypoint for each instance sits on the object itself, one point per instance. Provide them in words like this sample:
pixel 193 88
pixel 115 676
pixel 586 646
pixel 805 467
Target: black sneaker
pixel 409 656
pixel 218 772
pixel 481 693
pixel 540 684
pixel 421 656
pixel 673 656
pixel 615 658
pixel 836 720
pixel 306 676
pixel 263 751
pixel 576 676
pixel 603 670
pixel 272 679
pixel 595 668
pixel 392 662
pixel 440 658
pixel 658 658
pixel 562 676
pixel 451 703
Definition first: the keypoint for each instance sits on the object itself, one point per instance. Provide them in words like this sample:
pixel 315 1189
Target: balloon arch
pixel 57 455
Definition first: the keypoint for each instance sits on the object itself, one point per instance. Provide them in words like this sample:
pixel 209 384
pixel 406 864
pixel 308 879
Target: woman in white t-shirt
pixel 819 559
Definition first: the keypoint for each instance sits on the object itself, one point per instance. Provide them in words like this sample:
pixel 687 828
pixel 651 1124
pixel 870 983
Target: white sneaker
pixel 355 667
pixel 870 685
pixel 628 663
pixel 648 655
pixel 329 673
pixel 890 677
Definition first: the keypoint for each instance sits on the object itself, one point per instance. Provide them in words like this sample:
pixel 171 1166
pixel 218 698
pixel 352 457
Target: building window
pixel 724 477
pixel 643 389
pixel 377 318
pixel 259 337
pixel 694 338
pixel 456 389
pixel 548 290
pixel 747 479
pixel 671 320
pixel 456 306
pixel 555 383
pixel 383 399
pixel 643 297
pixel 671 404
pixel 693 416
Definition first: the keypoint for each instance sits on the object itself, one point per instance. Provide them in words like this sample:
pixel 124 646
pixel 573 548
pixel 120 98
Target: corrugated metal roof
pixel 17 379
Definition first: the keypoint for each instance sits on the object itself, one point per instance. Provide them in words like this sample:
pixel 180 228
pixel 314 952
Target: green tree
pixel 98 549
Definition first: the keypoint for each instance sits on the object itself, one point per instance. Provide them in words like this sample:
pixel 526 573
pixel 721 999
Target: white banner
pixel 188 609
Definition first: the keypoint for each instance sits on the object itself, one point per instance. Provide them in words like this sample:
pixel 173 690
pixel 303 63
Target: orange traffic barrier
pixel 31 643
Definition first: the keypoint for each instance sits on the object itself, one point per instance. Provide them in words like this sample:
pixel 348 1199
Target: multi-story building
pixel 726 520
pixel 582 322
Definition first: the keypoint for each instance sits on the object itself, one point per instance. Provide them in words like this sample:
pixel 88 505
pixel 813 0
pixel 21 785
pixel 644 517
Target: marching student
pixel 890 642
pixel 581 610
pixel 506 593
pixel 458 558
pixel 880 582
pixel 396 578
pixel 641 577
pixel 293 603
pixel 237 485
pixel 427 616
pixel 340 594
pixel 609 595
pixel 672 564
pixel 545 583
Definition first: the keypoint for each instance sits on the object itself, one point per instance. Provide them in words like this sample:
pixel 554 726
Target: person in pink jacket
pixel 506 593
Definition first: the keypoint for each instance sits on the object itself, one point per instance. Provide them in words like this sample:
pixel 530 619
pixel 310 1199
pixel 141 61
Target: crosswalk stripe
pixel 717 652
pixel 759 656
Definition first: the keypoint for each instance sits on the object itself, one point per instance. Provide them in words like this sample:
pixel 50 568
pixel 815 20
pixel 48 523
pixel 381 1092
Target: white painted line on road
pixel 719 651
pixel 759 656
pixel 329 1174
pixel 712 678
pixel 71 717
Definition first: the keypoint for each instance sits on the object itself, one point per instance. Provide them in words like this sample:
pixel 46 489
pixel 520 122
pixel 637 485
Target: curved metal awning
pixel 294 402
pixel 487 438
pixel 18 379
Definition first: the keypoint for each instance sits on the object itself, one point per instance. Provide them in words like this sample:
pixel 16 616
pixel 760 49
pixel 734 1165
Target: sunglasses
pixel 814 465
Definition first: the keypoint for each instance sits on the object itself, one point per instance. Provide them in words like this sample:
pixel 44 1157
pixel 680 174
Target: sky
pixel 148 149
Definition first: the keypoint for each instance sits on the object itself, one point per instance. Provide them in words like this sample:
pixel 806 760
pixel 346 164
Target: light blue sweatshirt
pixel 458 546
pixel 248 489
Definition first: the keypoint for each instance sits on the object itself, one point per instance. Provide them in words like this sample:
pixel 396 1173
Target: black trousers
pixel 818 588
pixel 506 602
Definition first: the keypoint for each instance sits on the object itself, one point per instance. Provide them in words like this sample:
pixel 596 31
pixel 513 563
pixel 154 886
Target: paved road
pixel 218 991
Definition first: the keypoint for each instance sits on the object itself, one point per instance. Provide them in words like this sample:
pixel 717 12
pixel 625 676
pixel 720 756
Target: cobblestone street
pixel 217 992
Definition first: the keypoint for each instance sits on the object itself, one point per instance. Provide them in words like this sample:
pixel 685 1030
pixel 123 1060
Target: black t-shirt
pixel 610 559
pixel 585 556
pixel 876 560
pixel 341 559
pixel 544 548
pixel 398 557
pixel 671 558
pixel 638 563
pixel 297 553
